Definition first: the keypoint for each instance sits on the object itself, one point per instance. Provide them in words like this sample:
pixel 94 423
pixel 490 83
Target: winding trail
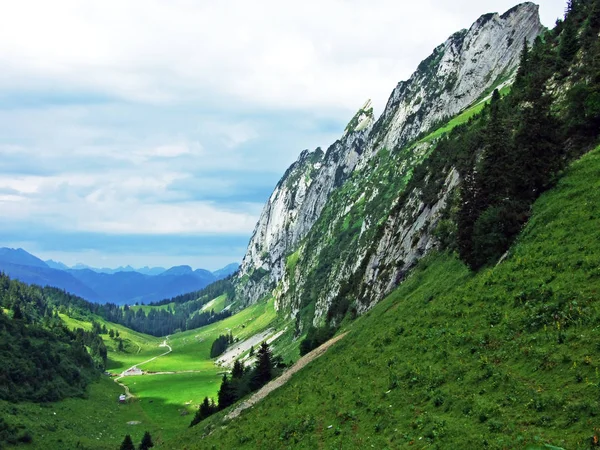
pixel 134 370
pixel 284 378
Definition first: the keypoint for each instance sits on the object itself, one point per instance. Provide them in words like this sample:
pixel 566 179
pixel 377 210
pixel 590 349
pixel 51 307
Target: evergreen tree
pixel 127 443
pixel 238 370
pixel 263 371
pixel 146 442
pixel 205 410
pixel 569 44
pixel 17 313
pixel 226 394
pixel 523 70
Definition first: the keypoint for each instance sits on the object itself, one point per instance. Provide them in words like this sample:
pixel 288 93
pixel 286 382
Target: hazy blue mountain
pixel 131 287
pixel 56 265
pixel 45 276
pixel 121 285
pixel 151 270
pixel 20 256
pixel 177 270
pixel 226 271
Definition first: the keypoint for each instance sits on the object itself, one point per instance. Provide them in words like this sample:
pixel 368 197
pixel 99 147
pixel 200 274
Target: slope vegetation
pixel 504 358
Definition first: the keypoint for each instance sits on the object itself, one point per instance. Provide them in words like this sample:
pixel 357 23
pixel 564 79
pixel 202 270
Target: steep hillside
pixel 499 359
pixel 325 210
pixel 343 228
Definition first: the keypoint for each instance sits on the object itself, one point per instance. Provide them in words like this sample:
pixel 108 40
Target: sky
pixel 151 133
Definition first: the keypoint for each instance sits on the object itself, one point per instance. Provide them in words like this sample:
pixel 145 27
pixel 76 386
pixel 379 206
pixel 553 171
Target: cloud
pixel 155 119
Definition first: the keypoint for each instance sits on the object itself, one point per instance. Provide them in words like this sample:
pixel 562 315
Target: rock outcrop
pixel 330 224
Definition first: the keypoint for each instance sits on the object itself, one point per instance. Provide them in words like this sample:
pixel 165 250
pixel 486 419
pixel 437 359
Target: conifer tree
pixel 127 443
pixel 569 44
pixel 238 370
pixel 263 372
pixel 146 442
pixel 226 394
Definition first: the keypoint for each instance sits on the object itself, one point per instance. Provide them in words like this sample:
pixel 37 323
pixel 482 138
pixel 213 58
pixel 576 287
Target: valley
pixel 178 374
pixel 431 280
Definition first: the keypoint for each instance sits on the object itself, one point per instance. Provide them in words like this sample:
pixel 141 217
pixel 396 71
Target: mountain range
pixel 124 285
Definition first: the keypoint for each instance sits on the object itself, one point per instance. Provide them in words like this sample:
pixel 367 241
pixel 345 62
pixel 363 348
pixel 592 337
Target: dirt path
pixel 134 370
pixel 274 384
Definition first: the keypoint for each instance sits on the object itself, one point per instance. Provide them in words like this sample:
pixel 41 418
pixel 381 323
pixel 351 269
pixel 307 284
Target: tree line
pixel 241 382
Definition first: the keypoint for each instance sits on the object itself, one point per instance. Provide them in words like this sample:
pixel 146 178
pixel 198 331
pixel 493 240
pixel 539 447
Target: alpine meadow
pixel 431 280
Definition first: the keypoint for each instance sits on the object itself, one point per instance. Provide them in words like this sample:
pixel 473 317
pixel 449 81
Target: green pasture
pixel 172 400
pixel 217 305
pixel 96 422
pixel 191 349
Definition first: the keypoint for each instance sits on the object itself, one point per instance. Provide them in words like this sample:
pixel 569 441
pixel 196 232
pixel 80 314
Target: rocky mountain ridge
pixel 330 224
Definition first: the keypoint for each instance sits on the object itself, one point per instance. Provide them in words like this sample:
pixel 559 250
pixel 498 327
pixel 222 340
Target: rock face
pixel 458 72
pixel 331 223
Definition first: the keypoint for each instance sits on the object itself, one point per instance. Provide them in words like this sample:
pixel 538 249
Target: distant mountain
pixel 226 271
pixel 45 276
pixel 123 285
pixel 151 270
pixel 177 270
pixel 21 257
pixel 56 265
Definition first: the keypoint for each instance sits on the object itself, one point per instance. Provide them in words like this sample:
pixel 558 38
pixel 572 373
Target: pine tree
pixel 263 372
pixel 226 394
pixel 146 442
pixel 523 70
pixel 17 313
pixel 127 443
pixel 238 370
pixel 569 44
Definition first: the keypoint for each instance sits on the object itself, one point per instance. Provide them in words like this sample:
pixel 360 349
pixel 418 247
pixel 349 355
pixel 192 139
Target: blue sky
pixel 151 133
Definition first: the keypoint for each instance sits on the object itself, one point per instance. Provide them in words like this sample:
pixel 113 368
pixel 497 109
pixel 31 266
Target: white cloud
pixel 310 54
pixel 122 117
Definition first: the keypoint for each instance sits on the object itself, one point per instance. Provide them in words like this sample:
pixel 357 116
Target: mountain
pixel 331 222
pixel 454 251
pixel 177 270
pixel 229 269
pixel 45 276
pixel 151 270
pixel 20 257
pixel 56 265
pixel 124 285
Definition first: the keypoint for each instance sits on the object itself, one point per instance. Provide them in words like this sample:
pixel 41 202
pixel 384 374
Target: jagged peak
pixel 526 5
pixel 362 119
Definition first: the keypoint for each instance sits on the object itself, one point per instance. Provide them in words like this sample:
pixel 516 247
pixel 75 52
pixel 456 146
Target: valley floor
pixel 164 388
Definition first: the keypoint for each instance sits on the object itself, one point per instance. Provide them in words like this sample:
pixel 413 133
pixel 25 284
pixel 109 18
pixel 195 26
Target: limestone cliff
pixel 330 224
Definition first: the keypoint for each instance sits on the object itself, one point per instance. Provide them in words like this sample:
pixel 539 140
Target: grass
pixel 505 358
pixel 164 404
pixel 172 400
pixel 138 346
pixel 98 422
pixel 456 121
pixel 462 118
pixel 217 304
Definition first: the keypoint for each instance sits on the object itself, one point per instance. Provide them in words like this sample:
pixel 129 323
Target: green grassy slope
pixel 504 358
pixel 138 346
pixel 169 398
pixel 97 422
pixel 164 404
